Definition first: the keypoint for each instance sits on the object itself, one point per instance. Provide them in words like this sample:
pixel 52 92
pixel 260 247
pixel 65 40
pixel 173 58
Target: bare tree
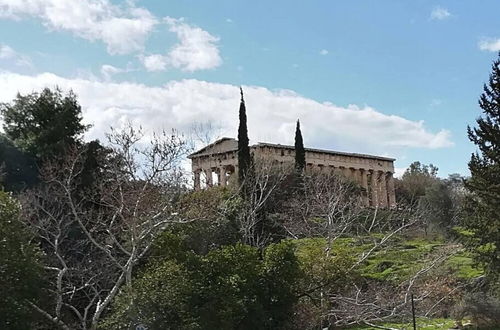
pixel 325 205
pixel 205 132
pixel 94 238
pixel 330 207
pixel 260 186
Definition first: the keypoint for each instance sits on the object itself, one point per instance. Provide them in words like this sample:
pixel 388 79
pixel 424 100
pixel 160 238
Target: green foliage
pixel 233 287
pixel 159 298
pixel 440 199
pixel 20 270
pixel 399 261
pixel 43 124
pixel 300 153
pixel 463 266
pixel 414 182
pixel 422 324
pixel 483 206
pixel 325 267
pixel 18 169
pixel 215 215
pixel 244 158
pixel 394 262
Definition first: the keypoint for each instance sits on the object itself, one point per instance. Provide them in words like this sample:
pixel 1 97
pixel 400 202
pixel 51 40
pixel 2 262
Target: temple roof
pixel 332 152
pixel 231 145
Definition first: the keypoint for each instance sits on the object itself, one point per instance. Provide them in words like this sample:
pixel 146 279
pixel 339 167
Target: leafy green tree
pixel 217 219
pixel 244 158
pixel 325 270
pixel 414 182
pixel 443 202
pixel 159 298
pixel 233 287
pixel 483 206
pixel 20 270
pixel 43 124
pixel 300 153
pixel 244 288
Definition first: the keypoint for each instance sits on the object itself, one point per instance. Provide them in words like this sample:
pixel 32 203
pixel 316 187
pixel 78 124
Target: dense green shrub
pixel 20 270
pixel 233 287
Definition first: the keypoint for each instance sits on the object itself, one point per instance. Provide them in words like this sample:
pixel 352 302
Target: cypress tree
pixel 483 206
pixel 244 159
pixel 300 153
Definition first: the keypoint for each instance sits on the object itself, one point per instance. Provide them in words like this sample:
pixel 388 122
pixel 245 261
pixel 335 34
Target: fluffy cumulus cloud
pixel 155 62
pixel 271 114
pixel 489 44
pixel 7 53
pixel 196 50
pixel 123 29
pixel 440 13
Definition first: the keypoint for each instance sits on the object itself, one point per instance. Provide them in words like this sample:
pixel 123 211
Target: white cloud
pixel 7 53
pixel 323 52
pixel 155 62
pixel 196 50
pixel 228 20
pixel 271 114
pixel 399 171
pixel 108 71
pixel 123 29
pixel 440 13
pixel 489 44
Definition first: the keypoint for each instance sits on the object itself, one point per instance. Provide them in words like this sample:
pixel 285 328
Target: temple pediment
pixel 222 145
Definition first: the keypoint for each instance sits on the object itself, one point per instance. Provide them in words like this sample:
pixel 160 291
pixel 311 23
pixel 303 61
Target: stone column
pixel 346 172
pixel 337 171
pixel 309 168
pixel 383 190
pixel 208 174
pixel 374 188
pixel 352 174
pixel 222 176
pixel 219 176
pixel 364 184
pixel 390 190
pixel 197 185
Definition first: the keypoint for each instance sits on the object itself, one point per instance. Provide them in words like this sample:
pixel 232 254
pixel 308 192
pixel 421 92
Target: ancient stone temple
pixel 216 163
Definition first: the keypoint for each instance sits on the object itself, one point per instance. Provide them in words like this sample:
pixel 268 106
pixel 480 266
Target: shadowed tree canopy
pixel 43 124
pixel 18 169
pixel 244 158
pixel 300 153
pixel 484 205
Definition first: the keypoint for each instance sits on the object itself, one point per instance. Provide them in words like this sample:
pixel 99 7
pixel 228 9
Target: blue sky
pixel 395 78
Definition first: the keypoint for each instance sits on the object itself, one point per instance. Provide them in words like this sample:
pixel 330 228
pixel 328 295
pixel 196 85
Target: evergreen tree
pixel 483 220
pixel 300 153
pixel 244 159
pixel 43 124
pixel 21 272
